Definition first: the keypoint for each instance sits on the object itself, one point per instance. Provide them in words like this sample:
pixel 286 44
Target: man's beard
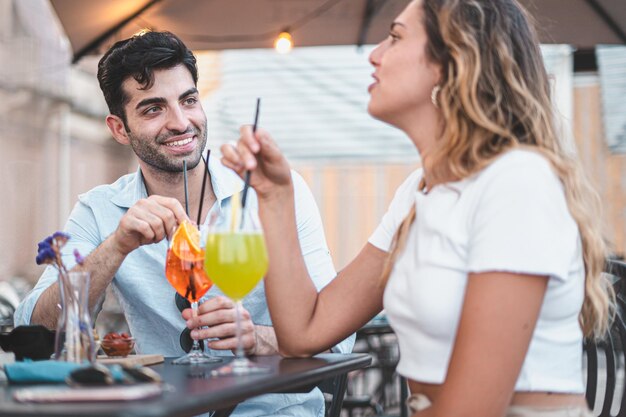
pixel 147 149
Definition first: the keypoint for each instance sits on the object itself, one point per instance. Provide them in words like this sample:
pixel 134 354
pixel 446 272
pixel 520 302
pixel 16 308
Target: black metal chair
pixel 611 348
pixel 334 390
pixel 386 390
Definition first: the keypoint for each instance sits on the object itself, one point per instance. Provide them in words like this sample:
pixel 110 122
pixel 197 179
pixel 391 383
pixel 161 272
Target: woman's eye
pixel 394 37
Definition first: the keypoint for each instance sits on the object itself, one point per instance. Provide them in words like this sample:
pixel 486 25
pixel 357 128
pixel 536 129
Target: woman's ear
pixel 118 129
pixel 438 74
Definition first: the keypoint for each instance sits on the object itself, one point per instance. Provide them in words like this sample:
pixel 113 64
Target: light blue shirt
pixel 146 296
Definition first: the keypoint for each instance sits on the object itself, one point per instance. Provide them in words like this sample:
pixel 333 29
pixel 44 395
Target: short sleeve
pixel 398 209
pixel 82 229
pixel 521 222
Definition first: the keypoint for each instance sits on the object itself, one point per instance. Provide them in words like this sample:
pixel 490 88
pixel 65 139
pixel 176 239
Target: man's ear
pixel 118 129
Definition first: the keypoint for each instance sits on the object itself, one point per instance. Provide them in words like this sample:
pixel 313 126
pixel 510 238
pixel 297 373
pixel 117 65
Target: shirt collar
pixel 133 191
pixel 225 183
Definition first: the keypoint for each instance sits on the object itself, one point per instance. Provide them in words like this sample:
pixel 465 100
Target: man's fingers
pixel 213 318
pixel 157 226
pixel 225 335
pixel 136 223
pixel 215 303
pixel 223 331
pixel 158 217
pixel 173 205
pixel 165 214
pixel 223 344
pixel 231 343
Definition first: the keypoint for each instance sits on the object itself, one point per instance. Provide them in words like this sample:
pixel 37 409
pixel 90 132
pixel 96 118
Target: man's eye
pixel 152 109
pixel 394 37
pixel 191 100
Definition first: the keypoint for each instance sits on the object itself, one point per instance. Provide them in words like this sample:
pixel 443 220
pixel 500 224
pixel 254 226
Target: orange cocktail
pixel 184 263
pixel 184 270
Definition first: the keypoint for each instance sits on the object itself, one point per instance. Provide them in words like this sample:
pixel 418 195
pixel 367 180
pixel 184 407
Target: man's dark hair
pixel 138 57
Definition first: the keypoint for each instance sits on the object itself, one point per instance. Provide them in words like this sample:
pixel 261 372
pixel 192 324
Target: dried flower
pixel 79 259
pixel 49 251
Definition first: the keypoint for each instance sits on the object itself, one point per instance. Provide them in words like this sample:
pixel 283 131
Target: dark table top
pixel 195 391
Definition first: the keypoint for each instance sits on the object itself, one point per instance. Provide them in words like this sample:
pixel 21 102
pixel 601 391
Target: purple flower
pixel 60 238
pixel 43 245
pixel 49 250
pixel 45 252
pixel 45 256
pixel 79 259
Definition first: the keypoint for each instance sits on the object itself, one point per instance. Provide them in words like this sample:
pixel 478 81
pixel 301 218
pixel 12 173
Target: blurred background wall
pixel 53 142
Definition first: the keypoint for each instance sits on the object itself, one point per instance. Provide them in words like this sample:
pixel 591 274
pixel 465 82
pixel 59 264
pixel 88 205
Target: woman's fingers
pixel 246 155
pixel 231 158
pixel 249 138
pixel 240 156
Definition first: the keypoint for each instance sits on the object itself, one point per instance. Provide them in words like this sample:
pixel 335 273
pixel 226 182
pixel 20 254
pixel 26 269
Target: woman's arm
pixel 498 319
pixel 305 322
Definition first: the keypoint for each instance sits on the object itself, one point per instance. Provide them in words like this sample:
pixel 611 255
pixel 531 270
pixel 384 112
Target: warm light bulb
pixel 283 43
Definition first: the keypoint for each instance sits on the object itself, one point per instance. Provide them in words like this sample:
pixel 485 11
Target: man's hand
pixel 150 220
pixel 218 313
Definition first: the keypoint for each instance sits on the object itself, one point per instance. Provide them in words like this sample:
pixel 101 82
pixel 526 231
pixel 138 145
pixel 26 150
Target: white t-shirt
pixel 512 216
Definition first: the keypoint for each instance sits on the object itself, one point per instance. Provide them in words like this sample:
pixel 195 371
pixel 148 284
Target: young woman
pixel 488 260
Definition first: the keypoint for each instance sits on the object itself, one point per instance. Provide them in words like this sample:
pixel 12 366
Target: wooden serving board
pixel 131 360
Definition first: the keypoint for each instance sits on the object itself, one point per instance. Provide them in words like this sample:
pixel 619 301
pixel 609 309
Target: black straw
pixel 185 181
pixel 247 179
pixel 206 174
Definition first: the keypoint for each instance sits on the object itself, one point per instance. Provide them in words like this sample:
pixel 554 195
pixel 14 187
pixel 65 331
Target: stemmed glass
pixel 183 269
pixel 236 260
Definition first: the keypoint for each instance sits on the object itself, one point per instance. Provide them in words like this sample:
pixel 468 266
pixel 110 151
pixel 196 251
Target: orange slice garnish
pixel 186 243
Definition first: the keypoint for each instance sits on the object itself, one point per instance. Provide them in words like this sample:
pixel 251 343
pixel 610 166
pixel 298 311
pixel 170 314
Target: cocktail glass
pixel 183 269
pixel 236 260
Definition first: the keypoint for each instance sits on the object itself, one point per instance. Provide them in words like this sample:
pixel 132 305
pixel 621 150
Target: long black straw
pixel 247 179
pixel 185 181
pixel 206 174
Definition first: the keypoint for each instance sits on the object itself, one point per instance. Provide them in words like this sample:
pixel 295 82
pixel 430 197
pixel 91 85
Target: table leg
pixel 404 395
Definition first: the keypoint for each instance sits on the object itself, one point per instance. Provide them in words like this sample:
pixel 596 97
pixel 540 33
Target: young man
pixel 149 83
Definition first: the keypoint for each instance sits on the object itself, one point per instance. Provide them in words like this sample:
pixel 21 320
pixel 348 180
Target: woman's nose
pixel 376 54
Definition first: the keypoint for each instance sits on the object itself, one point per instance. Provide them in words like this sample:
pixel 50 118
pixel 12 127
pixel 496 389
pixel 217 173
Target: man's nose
pixel 177 120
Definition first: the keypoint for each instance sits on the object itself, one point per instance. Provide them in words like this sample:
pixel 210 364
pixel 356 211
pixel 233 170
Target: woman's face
pixel 403 77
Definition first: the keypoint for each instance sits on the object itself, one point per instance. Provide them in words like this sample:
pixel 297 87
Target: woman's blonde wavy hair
pixel 495 96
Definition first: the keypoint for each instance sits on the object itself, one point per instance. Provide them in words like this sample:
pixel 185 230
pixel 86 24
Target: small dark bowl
pixel 32 342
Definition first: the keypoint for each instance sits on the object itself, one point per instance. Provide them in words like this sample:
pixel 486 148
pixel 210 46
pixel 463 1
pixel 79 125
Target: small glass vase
pixel 74 340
